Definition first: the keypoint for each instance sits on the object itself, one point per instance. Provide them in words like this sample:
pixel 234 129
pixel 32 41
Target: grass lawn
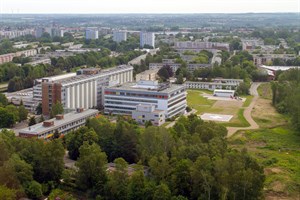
pixel 278 150
pixel 197 101
pixel 248 100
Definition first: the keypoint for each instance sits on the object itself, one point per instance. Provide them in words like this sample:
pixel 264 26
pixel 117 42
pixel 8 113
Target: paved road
pixel 137 60
pixel 247 113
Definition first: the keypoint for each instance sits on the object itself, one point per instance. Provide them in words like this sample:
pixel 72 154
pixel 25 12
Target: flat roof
pixel 58 77
pixel 277 68
pixel 102 73
pixel 211 83
pixel 134 87
pixel 227 91
pixel 69 117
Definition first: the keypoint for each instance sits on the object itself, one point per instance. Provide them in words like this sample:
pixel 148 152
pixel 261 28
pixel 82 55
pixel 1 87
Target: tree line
pixel 286 95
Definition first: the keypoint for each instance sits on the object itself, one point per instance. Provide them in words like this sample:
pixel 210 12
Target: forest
pixel 286 95
pixel 189 161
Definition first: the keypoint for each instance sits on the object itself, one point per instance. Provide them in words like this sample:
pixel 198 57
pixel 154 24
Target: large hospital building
pixel 124 99
pixel 81 90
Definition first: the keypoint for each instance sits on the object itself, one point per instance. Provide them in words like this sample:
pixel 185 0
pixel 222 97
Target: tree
pixel 56 109
pixel 60 194
pixel 32 121
pixel 42 119
pixel 148 123
pixel 7 193
pixel 22 113
pixel 34 190
pixel 160 168
pixel 51 162
pixel 7 118
pixel 76 139
pixel 181 178
pixel 162 192
pixel 39 109
pixel 91 169
pixel 3 100
pixel 118 181
pixel 137 185
pixel 56 134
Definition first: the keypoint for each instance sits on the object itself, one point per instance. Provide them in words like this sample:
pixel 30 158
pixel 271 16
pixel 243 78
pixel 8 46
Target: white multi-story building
pixel 166 97
pixel 147 39
pixel 9 57
pixel 91 34
pixel 199 46
pixel 119 36
pixel 165 62
pixel 81 91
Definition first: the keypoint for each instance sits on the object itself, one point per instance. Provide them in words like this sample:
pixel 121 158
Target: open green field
pixel 196 101
pixel 203 105
pixel 278 150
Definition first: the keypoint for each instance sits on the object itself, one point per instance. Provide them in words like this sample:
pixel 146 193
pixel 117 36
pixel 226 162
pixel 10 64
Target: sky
pixel 148 6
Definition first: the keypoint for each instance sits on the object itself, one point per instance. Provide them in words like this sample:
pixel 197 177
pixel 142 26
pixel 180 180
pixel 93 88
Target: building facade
pixel 9 57
pixel 83 90
pixel 198 46
pixel 144 113
pixel 147 39
pixel 119 36
pixel 148 75
pixel 228 84
pixel 166 97
pixel 91 34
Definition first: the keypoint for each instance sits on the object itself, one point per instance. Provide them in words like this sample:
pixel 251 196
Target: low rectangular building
pixel 144 113
pixel 228 84
pixel 224 93
pixel 124 99
pixel 61 123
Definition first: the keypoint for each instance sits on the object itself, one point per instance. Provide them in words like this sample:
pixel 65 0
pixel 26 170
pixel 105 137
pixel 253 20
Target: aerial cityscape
pixel 156 100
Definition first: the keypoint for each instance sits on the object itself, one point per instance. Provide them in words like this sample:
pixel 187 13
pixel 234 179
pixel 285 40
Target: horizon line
pixel 160 13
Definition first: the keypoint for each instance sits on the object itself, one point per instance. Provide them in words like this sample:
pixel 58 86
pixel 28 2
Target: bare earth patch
pixel 272 170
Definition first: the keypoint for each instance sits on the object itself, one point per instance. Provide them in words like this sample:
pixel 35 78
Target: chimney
pixel 48 123
pixel 59 117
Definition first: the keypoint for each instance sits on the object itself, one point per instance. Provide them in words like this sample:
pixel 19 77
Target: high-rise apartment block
pixel 147 39
pixel 119 36
pixel 91 34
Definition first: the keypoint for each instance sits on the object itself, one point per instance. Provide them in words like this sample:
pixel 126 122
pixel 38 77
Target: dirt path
pixel 247 113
